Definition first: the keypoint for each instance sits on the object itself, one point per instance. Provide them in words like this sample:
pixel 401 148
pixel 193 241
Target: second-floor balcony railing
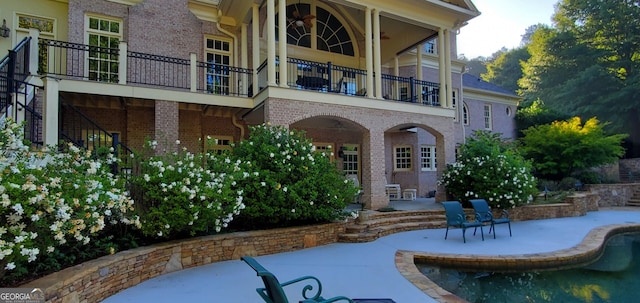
pixel 94 63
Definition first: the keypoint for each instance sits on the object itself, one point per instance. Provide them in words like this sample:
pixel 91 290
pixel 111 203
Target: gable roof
pixel 473 82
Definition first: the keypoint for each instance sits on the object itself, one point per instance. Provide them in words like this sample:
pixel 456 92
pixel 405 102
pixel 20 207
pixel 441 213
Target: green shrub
pixel 294 185
pixel 491 169
pixel 180 194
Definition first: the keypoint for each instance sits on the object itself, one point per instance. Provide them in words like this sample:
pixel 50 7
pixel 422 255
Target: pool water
pixel 615 277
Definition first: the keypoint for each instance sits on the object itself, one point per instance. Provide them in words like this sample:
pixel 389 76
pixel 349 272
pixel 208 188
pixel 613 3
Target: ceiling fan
pixel 298 20
pixel 383 36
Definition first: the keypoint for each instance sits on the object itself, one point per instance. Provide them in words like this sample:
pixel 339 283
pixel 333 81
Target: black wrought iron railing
pixel 408 89
pixel 158 70
pixel 14 68
pixel 82 131
pixel 220 79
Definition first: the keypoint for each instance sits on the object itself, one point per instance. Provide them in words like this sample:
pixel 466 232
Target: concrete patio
pixel 367 270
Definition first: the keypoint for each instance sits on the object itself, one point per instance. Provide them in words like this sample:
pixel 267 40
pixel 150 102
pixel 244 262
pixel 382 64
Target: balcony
pixel 108 65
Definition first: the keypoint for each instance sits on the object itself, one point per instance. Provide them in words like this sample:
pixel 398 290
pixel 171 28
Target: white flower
pixel 10 266
pixel 177 142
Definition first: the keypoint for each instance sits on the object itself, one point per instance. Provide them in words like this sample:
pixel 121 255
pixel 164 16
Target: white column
pixel 122 62
pixel 419 50
pixel 271 43
pixel 50 111
pixel 33 51
pixel 368 50
pixel 447 64
pixel 193 71
pixel 244 58
pixel 441 68
pixel 396 72
pixel 255 46
pixel 376 53
pixel 282 44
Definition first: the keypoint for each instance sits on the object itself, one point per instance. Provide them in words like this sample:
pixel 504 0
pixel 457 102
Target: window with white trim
pixel 431 47
pixel 218 144
pixel 350 159
pixel 428 157
pixel 487 116
pixel 218 54
pixel 454 103
pixel 103 34
pixel 402 158
pixel 465 114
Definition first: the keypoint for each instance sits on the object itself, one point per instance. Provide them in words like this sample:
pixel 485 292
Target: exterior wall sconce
pixel 341 152
pixel 4 30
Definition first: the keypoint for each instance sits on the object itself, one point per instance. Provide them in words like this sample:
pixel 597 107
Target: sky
pixel 501 24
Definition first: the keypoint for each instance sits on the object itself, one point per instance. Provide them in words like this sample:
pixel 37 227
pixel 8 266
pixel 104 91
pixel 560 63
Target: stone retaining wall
pixel 613 194
pixel 95 280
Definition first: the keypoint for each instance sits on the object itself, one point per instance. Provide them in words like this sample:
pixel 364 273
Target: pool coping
pixel 591 247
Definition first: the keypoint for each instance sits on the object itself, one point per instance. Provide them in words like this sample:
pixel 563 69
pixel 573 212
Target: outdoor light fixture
pixel 4 30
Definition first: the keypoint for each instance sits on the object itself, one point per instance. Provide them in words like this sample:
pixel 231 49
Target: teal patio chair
pixel 273 291
pixel 457 218
pixel 485 215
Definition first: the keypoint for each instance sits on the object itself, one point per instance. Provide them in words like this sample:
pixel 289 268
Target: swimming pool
pixel 614 277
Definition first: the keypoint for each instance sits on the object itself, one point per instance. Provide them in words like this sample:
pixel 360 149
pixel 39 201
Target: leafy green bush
pixel 53 201
pixel 181 194
pixel 562 148
pixel 491 169
pixel 294 185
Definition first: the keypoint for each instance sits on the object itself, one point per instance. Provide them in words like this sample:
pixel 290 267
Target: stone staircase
pixel 635 199
pixel 371 225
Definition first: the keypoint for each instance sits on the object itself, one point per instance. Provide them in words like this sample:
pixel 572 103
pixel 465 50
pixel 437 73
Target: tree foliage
pixel 506 69
pixel 588 64
pixel 536 114
pixel 562 148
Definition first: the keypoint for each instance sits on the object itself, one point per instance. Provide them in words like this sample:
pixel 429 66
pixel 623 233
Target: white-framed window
pixel 350 159
pixel 487 117
pixel 402 157
pixel 218 144
pixel 431 47
pixel 428 157
pixel 465 114
pixel 508 111
pixel 103 34
pixel 218 53
pixel 326 148
pixel 454 103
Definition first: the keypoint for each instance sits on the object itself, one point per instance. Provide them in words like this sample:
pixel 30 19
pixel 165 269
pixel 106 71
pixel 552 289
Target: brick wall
pixel 98 279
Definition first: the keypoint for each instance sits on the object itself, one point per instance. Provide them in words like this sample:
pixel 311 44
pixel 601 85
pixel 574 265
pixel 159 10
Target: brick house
pixel 101 72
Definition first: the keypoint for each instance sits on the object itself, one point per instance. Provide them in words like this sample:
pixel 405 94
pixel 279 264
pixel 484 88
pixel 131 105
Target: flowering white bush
pixel 183 193
pixel 52 199
pixel 489 169
pixel 296 185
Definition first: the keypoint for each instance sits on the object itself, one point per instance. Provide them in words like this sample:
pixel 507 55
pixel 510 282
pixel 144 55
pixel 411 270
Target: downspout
pixel 230 34
pixel 234 119
pixel 461 104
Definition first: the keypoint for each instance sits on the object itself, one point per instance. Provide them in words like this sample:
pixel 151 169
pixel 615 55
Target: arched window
pixel 331 35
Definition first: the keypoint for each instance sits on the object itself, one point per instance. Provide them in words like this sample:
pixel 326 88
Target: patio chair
pixel 273 291
pixel 484 213
pixel 356 182
pixel 457 218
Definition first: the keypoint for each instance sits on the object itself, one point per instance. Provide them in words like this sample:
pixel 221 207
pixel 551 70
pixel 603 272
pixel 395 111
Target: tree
pixel 589 64
pixel 563 148
pixel 536 113
pixel 506 69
